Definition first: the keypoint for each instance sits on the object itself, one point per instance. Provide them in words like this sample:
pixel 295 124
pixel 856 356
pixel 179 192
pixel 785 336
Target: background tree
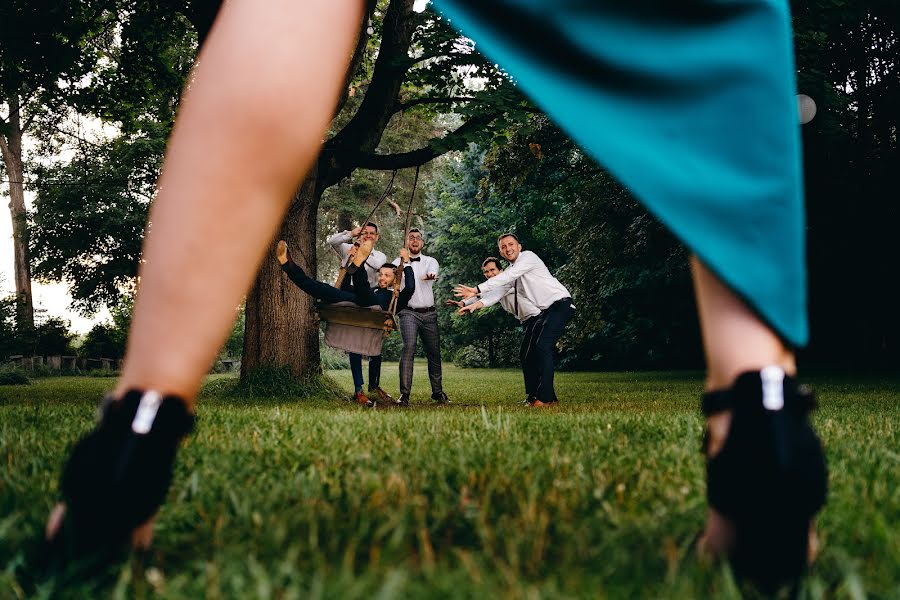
pixel 411 61
pixel 45 50
pixel 90 210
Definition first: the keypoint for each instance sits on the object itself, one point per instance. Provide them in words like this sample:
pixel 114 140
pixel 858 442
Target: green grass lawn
pixel 317 498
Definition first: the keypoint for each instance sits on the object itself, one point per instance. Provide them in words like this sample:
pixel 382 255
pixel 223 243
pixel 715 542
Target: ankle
pixel 721 375
pixel 717 428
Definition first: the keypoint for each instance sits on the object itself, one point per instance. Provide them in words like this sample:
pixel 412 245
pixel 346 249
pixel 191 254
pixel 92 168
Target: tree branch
pixel 416 60
pixel 364 130
pixel 359 52
pixel 452 141
pixel 433 100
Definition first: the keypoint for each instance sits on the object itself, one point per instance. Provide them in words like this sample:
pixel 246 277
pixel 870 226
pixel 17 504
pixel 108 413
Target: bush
pixel 102 341
pixel 333 360
pixel 471 357
pixel 13 376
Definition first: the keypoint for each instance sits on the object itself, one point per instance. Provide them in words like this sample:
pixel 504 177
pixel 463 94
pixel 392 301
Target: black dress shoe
pixel 441 398
pixel 403 400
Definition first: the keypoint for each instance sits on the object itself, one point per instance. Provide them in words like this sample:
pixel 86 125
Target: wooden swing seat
pixel 357 316
pixel 356 329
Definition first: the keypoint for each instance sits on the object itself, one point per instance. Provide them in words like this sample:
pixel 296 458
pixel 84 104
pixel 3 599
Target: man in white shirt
pixel 518 306
pixel 419 319
pixel 342 242
pixel 528 277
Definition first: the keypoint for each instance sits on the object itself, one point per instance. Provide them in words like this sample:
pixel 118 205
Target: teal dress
pixel 691 105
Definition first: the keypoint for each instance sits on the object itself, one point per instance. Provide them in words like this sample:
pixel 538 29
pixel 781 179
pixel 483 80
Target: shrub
pixel 13 376
pixel 471 357
pixel 332 359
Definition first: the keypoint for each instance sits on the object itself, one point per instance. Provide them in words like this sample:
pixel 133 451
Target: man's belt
pixel 422 310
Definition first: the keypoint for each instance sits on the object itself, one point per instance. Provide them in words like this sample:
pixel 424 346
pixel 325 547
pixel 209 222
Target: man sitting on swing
pixel 360 292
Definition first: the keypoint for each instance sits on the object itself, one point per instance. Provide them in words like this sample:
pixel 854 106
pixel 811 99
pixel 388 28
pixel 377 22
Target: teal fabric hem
pixel 691 106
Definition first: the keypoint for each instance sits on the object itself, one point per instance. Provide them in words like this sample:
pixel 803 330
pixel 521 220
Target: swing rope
pixel 342 271
pixel 399 271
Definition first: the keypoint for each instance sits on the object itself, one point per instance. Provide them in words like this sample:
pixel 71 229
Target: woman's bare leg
pixel 250 125
pixel 734 341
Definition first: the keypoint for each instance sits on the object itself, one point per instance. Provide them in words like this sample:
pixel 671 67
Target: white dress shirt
pixel 520 307
pixel 343 241
pixel 423 297
pixel 528 277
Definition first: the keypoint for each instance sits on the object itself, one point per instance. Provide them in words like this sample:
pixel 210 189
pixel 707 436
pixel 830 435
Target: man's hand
pixel 404 255
pixel 465 292
pixel 456 303
pixel 430 277
pixel 470 308
pixel 355 232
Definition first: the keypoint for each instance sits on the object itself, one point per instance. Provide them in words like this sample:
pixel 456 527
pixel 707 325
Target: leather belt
pixel 422 310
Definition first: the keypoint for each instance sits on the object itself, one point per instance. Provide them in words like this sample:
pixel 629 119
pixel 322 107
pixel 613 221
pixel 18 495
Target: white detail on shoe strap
pixel 146 412
pixel 772 387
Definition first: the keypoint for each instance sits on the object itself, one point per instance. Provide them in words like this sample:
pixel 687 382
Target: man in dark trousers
pixel 528 277
pixel 518 306
pixel 419 319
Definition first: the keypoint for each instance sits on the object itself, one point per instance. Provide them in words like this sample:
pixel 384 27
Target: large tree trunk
pixel 281 325
pixel 11 147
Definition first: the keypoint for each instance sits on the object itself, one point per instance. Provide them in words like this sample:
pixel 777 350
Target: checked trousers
pixel 414 325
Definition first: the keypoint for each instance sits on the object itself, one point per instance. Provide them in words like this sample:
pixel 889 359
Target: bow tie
pixel 415 259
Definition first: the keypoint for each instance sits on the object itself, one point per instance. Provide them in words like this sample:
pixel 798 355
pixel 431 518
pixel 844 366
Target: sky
pixel 54 298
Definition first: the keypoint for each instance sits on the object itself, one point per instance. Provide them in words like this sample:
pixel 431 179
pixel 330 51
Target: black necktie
pixel 415 259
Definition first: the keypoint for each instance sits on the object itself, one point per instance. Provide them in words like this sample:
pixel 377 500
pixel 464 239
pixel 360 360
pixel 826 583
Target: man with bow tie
pixel 419 319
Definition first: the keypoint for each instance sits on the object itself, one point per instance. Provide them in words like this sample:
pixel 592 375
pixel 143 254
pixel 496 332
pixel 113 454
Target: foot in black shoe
pixel 768 479
pixel 441 398
pixel 403 400
pixel 118 475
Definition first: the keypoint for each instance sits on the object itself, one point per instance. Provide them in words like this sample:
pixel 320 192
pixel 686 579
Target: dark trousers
pixel 539 348
pixel 357 372
pixel 412 326
pixel 359 292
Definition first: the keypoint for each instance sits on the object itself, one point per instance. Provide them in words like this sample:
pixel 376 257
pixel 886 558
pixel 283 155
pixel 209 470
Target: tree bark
pixel 11 148
pixel 281 326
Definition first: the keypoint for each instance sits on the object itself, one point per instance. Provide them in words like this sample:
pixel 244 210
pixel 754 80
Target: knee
pixel 545 345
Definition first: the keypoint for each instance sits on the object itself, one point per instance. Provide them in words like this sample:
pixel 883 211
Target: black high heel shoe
pixel 769 478
pixel 118 475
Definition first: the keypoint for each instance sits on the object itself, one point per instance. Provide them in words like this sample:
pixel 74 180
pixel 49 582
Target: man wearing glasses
pixel 419 319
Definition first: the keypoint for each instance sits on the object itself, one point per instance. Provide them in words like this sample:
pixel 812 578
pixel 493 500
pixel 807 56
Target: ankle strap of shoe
pixel 148 411
pixel 750 386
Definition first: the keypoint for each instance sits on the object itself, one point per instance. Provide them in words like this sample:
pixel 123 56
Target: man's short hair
pixel 388 265
pixel 508 234
pixel 491 259
pixel 371 224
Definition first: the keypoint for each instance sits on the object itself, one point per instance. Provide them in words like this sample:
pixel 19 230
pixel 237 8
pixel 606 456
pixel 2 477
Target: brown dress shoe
pixel 539 404
pixel 382 395
pixel 361 398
